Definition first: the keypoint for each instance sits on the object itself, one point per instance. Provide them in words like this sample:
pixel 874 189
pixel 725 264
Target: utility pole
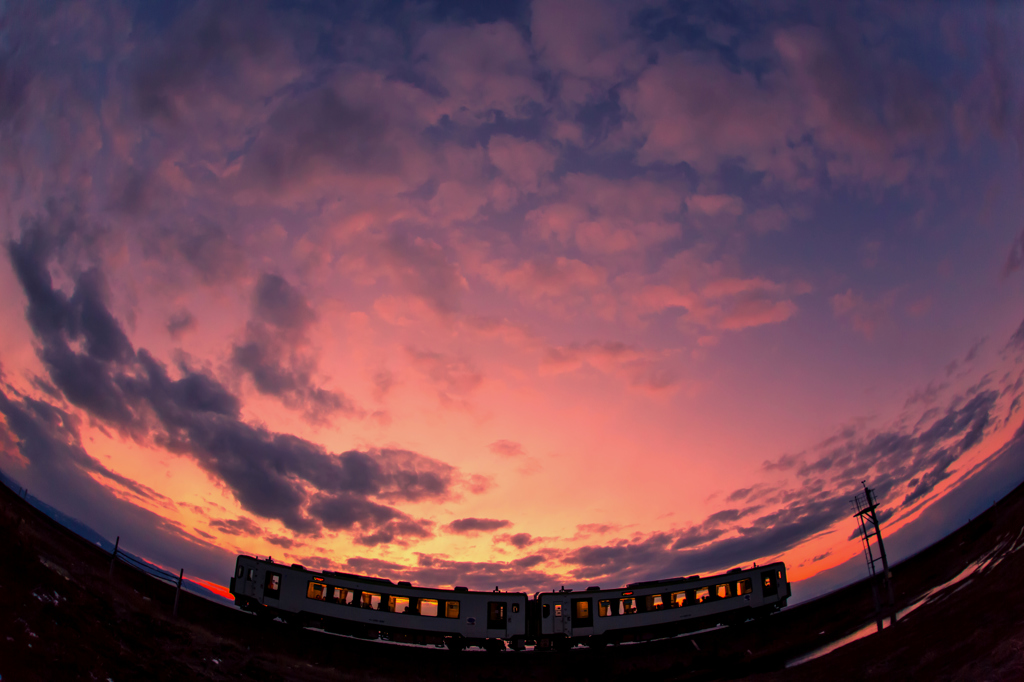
pixel 113 557
pixel 864 505
pixel 177 592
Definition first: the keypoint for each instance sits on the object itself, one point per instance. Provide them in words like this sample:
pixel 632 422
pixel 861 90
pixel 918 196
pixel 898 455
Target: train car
pixel 658 608
pixel 375 607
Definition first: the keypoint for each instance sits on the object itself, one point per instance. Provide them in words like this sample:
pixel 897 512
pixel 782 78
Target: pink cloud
pixel 506 448
pixel 715 204
pixel 866 316
pixel 695 110
pixel 594 54
pixel 755 312
pixel 604 217
pixel 547 278
pixel 647 370
pixel 523 163
pixel 453 378
pixel 482 67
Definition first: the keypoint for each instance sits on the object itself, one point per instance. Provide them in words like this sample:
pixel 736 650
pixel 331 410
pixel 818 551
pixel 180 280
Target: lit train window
pixel 428 607
pixel 723 591
pixel 340 595
pixel 702 594
pixel 604 608
pixel 316 591
pixel 370 600
pixel 515 608
pixel 451 609
pixel 272 588
pixel 679 599
pixel 655 602
pixel 398 604
pixel 627 606
pixel 744 587
pixel 582 613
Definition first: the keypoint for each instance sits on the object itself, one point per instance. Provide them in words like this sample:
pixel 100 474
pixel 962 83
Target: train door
pixel 561 621
pixel 247 582
pixel 497 616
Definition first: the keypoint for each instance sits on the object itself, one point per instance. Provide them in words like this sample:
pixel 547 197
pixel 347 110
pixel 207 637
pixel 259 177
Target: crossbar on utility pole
pixel 113 557
pixel 177 592
pixel 868 525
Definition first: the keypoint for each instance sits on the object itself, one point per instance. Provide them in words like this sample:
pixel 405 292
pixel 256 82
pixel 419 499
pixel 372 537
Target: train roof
pixel 689 578
pixel 402 584
pixel 671 581
pixel 407 585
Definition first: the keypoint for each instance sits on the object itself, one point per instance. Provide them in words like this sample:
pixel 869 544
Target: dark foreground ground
pixel 63 618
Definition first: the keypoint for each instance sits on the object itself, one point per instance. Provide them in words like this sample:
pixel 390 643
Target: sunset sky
pixel 520 294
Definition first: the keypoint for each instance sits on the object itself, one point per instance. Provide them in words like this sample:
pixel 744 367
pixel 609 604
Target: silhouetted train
pixel 374 607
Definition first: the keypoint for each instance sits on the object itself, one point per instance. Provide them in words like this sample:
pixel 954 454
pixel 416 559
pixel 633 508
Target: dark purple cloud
pixel 276 356
pixel 195 415
pixel 471 525
pixel 237 526
pixel 520 540
pixel 180 322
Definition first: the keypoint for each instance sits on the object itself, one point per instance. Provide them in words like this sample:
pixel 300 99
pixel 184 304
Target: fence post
pixel 113 557
pixel 177 592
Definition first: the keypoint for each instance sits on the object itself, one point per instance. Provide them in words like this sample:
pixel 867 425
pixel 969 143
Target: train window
pixel 272 588
pixel 428 607
pixel 515 608
pixel 679 599
pixel 339 595
pixel 701 595
pixel 769 588
pixel 604 608
pixel 398 604
pixel 451 609
pixel 240 571
pixel 496 615
pixel 724 591
pixel 744 587
pixel 369 600
pixel 582 614
pixel 252 574
pixel 627 605
pixel 546 611
pixel 316 591
pixel 655 602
